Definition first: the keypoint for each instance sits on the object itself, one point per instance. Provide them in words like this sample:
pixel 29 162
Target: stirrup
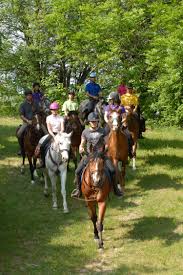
pixel 76 193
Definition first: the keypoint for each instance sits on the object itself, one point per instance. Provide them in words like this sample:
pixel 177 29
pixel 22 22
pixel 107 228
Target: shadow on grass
pixel 168 160
pixel 158 181
pixel 151 144
pixel 8 148
pixel 149 228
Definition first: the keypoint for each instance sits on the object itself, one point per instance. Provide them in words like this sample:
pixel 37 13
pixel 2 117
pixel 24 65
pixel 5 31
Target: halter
pixel 53 161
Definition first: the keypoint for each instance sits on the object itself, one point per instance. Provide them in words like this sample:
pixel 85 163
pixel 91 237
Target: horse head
pixel 96 168
pixel 115 119
pixel 62 145
pixel 37 121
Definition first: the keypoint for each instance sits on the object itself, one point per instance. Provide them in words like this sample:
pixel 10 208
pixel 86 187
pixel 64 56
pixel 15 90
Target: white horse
pixel 56 163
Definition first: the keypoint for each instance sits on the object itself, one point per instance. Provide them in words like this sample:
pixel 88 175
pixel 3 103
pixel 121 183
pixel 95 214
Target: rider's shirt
pixel 112 107
pixel 129 99
pixel 94 138
pixel 93 88
pixel 55 122
pixel 37 96
pixel 122 90
pixel 29 109
pixel 69 106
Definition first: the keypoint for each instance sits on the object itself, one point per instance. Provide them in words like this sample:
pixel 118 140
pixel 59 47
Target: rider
pixel 94 135
pixel 122 88
pixel 114 104
pixel 27 110
pixel 130 100
pixel 37 94
pixel 55 124
pixel 93 90
pixel 70 104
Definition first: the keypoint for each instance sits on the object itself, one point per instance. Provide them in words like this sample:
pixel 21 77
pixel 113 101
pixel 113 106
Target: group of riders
pixel 122 101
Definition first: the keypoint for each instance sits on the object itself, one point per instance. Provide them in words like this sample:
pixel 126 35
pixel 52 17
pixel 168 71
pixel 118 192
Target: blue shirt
pixel 37 96
pixel 93 88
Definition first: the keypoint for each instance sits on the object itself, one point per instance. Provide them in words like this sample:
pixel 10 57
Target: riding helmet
pixel 34 84
pixel 114 96
pixel 54 106
pixel 27 92
pixel 93 117
pixel 93 74
pixel 71 92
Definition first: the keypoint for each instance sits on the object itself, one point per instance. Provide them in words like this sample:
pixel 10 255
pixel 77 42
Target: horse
pixel 99 109
pixel 31 137
pixel 95 188
pixel 56 160
pixel 132 122
pixel 117 145
pixel 73 125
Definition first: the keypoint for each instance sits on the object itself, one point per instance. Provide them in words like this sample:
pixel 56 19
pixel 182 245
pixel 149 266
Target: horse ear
pixel 68 135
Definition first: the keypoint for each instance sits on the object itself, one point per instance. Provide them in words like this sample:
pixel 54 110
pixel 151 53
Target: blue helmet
pixel 93 117
pixel 93 74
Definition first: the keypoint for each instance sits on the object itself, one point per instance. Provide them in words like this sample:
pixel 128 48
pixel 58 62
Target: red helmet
pixel 54 106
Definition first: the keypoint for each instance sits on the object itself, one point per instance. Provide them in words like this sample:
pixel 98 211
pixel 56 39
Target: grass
pixel 143 232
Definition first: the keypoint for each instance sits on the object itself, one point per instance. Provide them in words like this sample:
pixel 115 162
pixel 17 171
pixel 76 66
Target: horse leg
pixel 123 172
pixel 63 177
pixel 31 167
pixel 92 213
pixel 34 165
pixel 134 156
pixel 75 157
pixel 53 178
pixel 22 168
pixel 45 183
pixel 102 208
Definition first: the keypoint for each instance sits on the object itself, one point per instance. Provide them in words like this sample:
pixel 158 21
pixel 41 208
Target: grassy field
pixel 143 232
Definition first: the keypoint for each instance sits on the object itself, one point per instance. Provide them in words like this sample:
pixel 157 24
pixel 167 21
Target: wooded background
pixel 58 42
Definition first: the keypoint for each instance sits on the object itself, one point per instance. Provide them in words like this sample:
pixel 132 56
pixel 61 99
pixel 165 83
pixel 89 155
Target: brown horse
pixel 95 188
pixel 73 125
pixel 117 144
pixel 133 124
pixel 32 135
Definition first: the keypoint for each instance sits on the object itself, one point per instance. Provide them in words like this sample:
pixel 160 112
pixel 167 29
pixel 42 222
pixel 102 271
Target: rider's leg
pixel 111 169
pixel 20 137
pixel 76 193
pixel 130 140
pixel 40 149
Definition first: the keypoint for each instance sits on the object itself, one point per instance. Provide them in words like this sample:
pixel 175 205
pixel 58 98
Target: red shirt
pixel 122 89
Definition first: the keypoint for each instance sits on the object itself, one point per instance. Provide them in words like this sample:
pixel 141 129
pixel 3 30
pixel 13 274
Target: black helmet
pixel 27 92
pixel 93 117
pixel 71 92
pixel 34 84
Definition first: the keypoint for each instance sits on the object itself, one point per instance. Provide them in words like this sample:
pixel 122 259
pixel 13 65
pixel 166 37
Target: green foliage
pixel 59 42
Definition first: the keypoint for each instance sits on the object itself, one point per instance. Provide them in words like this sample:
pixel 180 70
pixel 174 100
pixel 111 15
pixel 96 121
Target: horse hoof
pixel 101 248
pixel 46 194
pixel 66 211
pixel 22 171
pixel 134 168
pixel 55 207
pixel 32 182
pixel 35 174
pixel 96 238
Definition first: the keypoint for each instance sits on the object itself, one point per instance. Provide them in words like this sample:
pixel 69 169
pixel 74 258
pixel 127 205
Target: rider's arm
pixel 82 145
pixel 24 119
pixel 106 116
pixel 62 126
pixel 50 130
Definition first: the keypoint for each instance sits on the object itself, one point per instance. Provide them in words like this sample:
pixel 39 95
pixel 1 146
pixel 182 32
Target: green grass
pixel 143 232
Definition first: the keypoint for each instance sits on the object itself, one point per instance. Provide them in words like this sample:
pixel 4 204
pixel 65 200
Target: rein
pixel 54 162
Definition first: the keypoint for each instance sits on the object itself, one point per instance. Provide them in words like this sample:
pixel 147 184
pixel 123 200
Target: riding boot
pixel 21 143
pixel 76 193
pixel 42 158
pixel 117 192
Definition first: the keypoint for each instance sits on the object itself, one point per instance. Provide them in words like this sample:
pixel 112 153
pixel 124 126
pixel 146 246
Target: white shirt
pixel 55 122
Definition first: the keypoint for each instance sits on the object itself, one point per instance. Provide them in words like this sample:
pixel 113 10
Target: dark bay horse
pixel 117 144
pixel 96 188
pixel 72 124
pixel 32 135
pixel 133 124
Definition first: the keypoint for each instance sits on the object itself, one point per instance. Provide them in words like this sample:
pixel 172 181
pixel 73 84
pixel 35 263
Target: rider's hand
pixel 81 150
pixel 29 122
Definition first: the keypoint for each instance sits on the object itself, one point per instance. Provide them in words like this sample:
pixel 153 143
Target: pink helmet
pixel 54 106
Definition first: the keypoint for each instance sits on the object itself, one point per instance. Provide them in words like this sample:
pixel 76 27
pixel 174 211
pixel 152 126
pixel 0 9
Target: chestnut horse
pixel 117 144
pixel 32 135
pixel 73 125
pixel 95 188
pixel 133 124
